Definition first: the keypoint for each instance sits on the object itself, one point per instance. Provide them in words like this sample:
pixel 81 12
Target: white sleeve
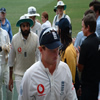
pixel 24 87
pixel 68 18
pixel 39 30
pixel 37 53
pixel 12 55
pixel 70 90
pixel 25 92
pixel 53 23
pixel 8 39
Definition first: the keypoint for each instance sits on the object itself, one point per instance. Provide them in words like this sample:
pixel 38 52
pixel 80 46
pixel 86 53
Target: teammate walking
pixel 24 50
pixel 4 70
pixel 36 27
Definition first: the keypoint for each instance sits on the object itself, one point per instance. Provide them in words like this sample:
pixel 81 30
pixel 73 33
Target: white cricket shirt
pixel 56 20
pixel 39 84
pixel 37 28
pixel 4 40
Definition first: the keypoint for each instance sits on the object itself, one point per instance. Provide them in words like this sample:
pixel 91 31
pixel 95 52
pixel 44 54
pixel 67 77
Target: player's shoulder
pixel 4 32
pixel 34 67
pixel 34 35
pixel 16 35
pixel 63 66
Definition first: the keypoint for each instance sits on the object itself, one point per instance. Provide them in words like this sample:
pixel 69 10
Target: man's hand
pixel 6 47
pixel 10 84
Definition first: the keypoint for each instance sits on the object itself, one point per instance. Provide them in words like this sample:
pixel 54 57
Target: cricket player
pixel 4 70
pixel 49 78
pixel 24 51
pixel 36 28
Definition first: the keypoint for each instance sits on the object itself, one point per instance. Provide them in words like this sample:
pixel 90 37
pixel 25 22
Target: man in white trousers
pixel 24 51
pixel 4 70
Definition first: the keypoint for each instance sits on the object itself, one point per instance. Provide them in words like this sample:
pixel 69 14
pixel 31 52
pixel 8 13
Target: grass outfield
pixel 16 8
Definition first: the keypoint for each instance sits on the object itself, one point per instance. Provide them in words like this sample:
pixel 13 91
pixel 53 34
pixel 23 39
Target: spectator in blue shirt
pixel 5 24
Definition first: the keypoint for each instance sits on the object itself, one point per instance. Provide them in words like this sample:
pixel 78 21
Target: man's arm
pixel 11 79
pixel 10 32
pixel 80 67
pixel 11 61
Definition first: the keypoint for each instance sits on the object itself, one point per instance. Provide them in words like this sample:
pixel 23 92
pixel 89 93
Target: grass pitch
pixel 16 8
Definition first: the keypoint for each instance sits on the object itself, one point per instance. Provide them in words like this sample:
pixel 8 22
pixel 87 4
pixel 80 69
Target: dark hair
pixel 94 2
pixel 89 11
pixel 90 20
pixel 97 7
pixel 66 39
pixel 45 14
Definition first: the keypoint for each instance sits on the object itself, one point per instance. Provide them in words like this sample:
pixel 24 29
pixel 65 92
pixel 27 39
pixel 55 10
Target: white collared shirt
pixel 4 40
pixel 39 84
pixel 24 52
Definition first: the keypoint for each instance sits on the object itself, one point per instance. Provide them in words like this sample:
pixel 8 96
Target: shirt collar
pixel 47 70
pixel 23 37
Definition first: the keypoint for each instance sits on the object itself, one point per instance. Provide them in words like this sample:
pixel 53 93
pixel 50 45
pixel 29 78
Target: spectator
pixel 89 59
pixel 92 3
pixel 45 20
pixel 97 11
pixel 67 52
pixel 5 24
pixel 80 36
pixel 60 8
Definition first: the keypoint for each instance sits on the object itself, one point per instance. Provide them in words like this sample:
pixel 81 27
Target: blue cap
pixel 3 10
pixel 49 38
pixel 63 24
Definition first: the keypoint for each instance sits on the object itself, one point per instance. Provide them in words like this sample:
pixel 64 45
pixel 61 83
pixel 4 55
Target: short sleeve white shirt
pixel 39 84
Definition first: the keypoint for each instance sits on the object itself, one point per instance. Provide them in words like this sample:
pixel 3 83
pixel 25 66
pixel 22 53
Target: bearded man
pixel 24 51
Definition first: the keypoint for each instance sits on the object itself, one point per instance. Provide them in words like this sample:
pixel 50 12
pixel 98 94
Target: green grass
pixel 16 8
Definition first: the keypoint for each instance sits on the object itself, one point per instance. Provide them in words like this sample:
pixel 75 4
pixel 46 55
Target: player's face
pixel 25 29
pixel 92 8
pixel 60 9
pixel 50 56
pixel 84 29
pixel 33 18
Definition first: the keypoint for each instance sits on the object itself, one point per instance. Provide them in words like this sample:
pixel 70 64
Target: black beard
pixel 25 33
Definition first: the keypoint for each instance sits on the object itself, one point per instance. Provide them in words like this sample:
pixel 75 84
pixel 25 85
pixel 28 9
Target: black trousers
pixel 88 93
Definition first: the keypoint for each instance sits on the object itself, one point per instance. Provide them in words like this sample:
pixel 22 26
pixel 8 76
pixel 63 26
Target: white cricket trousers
pixel 18 80
pixel 4 79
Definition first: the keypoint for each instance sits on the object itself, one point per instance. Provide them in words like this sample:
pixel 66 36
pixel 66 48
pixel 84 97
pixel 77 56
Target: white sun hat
pixel 24 19
pixel 60 3
pixel 32 12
